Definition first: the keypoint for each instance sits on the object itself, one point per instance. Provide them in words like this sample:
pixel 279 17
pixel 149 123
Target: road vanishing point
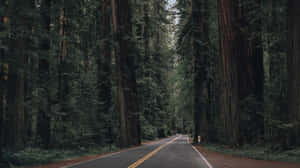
pixel 173 152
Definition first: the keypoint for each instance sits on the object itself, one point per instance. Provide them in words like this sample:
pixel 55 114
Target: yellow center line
pixel 142 160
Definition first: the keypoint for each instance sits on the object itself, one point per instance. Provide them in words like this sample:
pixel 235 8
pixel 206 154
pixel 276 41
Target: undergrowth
pixel 35 156
pixel 258 153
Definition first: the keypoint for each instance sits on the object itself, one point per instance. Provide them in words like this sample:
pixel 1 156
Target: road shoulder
pixel 219 160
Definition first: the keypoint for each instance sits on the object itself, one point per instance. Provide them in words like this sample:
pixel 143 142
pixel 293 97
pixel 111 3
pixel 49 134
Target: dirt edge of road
pixel 218 160
pixel 73 161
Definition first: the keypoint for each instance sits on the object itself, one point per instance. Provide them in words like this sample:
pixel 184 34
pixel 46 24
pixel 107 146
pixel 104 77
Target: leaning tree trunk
pixel 293 70
pixel 127 87
pixel 229 42
pixel 200 42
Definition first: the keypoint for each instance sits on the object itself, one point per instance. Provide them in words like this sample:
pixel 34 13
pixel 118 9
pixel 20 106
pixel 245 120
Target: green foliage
pixel 155 59
pixel 34 156
pixel 71 98
pixel 76 87
pixel 185 67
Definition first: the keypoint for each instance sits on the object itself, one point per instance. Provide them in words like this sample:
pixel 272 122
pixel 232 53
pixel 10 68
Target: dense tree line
pixel 84 73
pixel 244 75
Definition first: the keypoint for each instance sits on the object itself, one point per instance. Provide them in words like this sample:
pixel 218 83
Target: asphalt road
pixel 174 152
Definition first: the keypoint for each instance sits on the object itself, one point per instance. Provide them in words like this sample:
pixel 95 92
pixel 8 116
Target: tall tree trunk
pixel 44 119
pixel 29 81
pixel 200 54
pixel 276 61
pixel 64 66
pixel 250 70
pixel 2 89
pixel 16 73
pixel 146 32
pixel 127 88
pixel 293 70
pixel 277 45
pixel 229 42
pixel 3 77
pixel 63 90
pixel 104 62
pixel 123 121
pixel 242 70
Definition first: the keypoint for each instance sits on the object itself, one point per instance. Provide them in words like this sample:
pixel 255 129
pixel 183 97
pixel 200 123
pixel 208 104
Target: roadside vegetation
pixel 36 156
pixel 257 152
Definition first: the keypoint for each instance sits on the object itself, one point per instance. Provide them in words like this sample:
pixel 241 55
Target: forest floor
pixel 30 157
pixel 240 158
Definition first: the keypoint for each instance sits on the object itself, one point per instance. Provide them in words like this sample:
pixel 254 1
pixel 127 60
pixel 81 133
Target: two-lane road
pixel 175 152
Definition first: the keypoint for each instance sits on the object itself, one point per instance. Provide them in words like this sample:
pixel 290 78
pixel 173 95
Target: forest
pixel 110 74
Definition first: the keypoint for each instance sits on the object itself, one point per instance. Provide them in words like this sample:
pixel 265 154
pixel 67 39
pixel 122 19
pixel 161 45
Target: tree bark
pixel 104 62
pixel 123 121
pixel 229 42
pixel 242 70
pixel 277 45
pixel 201 55
pixel 64 65
pixel 293 70
pixel 16 72
pixel 3 79
pixel 63 89
pixel 250 71
pixel 44 119
pixel 127 87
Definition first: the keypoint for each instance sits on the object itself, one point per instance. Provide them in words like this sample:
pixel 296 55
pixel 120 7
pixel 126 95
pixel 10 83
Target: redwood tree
pixel 44 119
pixel 250 70
pixel 200 61
pixel 229 42
pixel 126 77
pixel 19 27
pixel 2 80
pixel 294 69
pixel 104 61
pixel 242 70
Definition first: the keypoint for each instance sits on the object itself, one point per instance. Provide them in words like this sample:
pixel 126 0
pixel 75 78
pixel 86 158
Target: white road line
pixel 203 158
